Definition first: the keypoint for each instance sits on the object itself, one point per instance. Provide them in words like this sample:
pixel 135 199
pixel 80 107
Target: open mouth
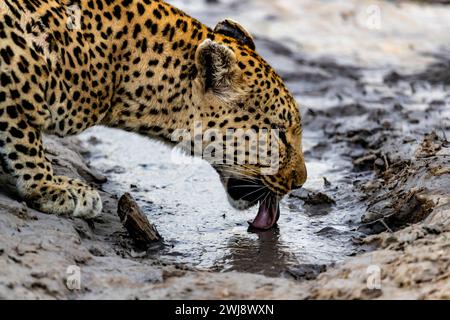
pixel 268 213
pixel 251 193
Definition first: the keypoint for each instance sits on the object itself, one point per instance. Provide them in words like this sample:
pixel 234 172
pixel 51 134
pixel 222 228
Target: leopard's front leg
pixel 23 160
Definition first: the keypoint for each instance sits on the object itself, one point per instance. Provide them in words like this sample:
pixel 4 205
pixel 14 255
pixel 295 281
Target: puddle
pixel 188 204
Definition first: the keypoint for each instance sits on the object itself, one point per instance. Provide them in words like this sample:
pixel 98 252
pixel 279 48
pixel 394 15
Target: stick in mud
pixel 136 222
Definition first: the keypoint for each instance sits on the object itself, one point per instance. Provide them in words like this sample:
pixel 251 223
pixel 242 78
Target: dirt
pixel 373 222
pixel 409 203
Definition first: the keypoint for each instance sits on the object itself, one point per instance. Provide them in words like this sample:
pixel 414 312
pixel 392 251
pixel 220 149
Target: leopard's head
pixel 250 122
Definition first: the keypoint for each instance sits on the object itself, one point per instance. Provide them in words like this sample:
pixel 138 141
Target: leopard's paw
pixel 88 203
pixel 68 197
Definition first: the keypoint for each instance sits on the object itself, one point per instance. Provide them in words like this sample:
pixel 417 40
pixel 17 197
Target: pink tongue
pixel 268 214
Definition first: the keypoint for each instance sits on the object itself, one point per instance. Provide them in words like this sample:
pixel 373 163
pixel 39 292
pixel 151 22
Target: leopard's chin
pixel 241 204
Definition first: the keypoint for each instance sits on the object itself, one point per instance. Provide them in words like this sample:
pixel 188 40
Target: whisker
pixel 234 174
pixel 244 178
pixel 267 194
pixel 246 186
pixel 248 194
pixel 240 168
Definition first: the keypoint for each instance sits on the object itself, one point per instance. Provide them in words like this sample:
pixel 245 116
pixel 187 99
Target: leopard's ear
pixel 218 71
pixel 234 30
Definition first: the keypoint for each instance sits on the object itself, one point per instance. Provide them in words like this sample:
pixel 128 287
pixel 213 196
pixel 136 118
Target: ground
pixel 389 122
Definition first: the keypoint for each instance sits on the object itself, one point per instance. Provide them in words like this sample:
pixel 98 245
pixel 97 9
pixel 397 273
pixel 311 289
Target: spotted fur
pixel 139 65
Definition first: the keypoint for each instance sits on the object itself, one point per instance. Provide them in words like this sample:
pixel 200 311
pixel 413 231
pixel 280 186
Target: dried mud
pixel 373 222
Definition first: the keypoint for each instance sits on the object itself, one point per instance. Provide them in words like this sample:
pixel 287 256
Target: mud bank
pixel 410 201
pixel 377 207
pixel 36 251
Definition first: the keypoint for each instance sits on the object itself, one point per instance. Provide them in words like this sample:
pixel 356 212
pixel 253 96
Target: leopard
pixel 147 67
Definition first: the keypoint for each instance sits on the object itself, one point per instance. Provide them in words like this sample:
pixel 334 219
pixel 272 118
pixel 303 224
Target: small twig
pixel 385 225
pixel 386 162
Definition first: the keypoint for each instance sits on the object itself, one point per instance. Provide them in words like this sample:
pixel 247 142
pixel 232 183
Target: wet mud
pixel 361 132
pixel 376 146
pixel 359 125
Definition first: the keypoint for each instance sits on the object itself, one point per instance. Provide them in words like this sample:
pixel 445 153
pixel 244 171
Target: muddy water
pixel 185 199
pixel 188 205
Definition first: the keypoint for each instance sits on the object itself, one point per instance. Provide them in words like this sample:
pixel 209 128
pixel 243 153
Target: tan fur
pixel 138 65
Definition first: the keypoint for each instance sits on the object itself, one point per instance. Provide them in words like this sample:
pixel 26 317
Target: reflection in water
pixel 264 254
